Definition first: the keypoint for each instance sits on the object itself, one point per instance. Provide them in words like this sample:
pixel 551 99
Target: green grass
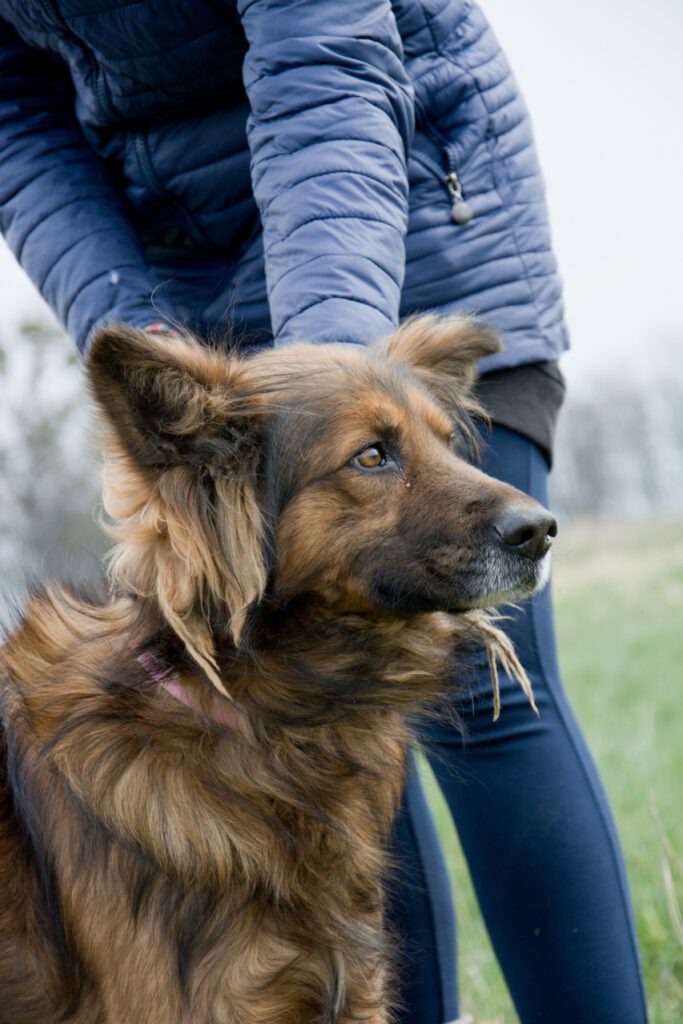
pixel 620 632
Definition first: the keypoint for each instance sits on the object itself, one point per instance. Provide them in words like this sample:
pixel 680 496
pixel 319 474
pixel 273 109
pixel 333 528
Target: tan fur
pixel 155 864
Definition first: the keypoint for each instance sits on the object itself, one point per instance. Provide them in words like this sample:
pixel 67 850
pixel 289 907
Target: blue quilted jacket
pixel 284 168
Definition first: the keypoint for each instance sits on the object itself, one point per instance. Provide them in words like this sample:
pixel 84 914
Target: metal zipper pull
pixel 461 211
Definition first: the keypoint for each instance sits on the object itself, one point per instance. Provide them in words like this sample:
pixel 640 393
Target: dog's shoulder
pixel 49 662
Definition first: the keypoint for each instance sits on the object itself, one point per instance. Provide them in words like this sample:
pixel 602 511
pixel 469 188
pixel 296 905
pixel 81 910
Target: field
pixel 619 601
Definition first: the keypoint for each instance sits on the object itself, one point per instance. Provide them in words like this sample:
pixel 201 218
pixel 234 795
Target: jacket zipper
pixel 139 142
pixel 157 188
pixel 51 14
pixel 148 174
pixel 55 18
pixel 461 211
pixel 102 92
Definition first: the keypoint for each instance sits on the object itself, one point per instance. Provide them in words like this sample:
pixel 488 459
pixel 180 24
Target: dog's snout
pixel 528 531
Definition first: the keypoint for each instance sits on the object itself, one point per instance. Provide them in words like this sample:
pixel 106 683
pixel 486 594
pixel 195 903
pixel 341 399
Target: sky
pixel 603 80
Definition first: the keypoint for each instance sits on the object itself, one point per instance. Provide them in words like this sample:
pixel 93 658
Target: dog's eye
pixel 372 457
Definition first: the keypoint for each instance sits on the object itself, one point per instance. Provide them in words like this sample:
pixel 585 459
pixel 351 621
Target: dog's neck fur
pixel 323 721
pixel 277 823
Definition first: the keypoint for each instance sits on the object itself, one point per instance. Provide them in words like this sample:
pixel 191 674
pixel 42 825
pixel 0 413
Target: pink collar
pixel 229 716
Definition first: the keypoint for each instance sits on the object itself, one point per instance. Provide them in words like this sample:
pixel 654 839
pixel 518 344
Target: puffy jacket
pixel 278 166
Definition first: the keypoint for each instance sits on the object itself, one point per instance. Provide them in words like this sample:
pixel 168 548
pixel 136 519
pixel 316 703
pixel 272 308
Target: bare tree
pixel 620 439
pixel 48 472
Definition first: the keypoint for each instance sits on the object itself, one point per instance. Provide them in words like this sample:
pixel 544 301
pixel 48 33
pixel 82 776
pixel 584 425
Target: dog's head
pixel 328 471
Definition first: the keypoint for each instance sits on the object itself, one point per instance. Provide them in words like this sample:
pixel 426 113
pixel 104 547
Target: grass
pixel 620 633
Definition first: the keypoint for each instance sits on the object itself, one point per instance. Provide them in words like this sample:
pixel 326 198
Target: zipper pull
pixel 461 211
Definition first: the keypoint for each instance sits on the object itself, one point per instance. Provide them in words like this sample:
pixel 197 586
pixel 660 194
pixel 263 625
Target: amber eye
pixel 372 457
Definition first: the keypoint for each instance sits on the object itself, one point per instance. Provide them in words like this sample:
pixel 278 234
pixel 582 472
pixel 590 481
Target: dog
pixel 199 769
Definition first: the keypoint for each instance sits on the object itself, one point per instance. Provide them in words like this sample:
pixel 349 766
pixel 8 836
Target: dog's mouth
pixel 502 578
pixel 493 574
pixel 510 562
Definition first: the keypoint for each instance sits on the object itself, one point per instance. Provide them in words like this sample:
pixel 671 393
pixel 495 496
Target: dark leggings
pixel 537 832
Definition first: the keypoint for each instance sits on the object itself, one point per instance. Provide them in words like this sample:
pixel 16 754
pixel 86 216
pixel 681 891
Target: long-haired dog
pixel 199 770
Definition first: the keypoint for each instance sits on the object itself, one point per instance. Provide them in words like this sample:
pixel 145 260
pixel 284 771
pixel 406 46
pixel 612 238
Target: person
pixel 311 169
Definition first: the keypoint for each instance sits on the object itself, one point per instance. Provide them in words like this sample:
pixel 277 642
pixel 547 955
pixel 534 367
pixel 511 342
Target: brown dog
pixel 199 771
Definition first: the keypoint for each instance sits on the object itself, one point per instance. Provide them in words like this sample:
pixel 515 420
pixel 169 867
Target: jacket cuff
pixel 333 320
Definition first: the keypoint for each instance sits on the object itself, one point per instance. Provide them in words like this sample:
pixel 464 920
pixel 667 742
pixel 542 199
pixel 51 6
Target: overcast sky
pixel 604 82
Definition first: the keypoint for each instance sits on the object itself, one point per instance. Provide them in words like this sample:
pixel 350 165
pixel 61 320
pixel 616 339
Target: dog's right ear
pixel 169 400
pixel 182 445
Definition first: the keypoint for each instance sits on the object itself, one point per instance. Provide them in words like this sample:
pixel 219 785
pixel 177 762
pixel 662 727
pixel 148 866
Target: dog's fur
pixel 161 862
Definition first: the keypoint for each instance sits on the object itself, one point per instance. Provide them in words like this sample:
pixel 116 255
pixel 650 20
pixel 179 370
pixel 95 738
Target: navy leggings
pixel 537 832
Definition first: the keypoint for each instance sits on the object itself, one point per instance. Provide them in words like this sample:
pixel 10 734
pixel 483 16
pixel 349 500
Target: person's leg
pixel 420 913
pixel 534 821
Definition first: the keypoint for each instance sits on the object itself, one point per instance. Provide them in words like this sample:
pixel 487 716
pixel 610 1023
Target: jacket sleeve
pixel 331 122
pixel 58 209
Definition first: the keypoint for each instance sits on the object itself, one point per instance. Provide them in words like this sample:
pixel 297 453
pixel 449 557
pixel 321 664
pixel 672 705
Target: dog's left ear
pixel 442 351
pixel 182 446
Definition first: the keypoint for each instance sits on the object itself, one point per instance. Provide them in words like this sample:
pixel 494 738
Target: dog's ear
pixel 182 444
pixel 442 351
pixel 170 400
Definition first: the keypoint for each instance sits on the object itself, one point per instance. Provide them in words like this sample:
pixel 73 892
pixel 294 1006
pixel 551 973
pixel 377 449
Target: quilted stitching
pixel 331 90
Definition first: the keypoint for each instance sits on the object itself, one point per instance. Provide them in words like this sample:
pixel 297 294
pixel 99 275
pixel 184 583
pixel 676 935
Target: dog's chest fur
pixel 174 874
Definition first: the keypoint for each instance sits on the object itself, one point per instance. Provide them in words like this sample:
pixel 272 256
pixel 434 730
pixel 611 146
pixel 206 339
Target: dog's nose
pixel 528 531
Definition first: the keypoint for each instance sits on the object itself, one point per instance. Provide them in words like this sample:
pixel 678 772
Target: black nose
pixel 528 532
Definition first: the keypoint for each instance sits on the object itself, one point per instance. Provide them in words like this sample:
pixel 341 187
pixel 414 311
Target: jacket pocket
pixel 162 218
pixel 437 158
pixel 445 174
pixel 459 158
